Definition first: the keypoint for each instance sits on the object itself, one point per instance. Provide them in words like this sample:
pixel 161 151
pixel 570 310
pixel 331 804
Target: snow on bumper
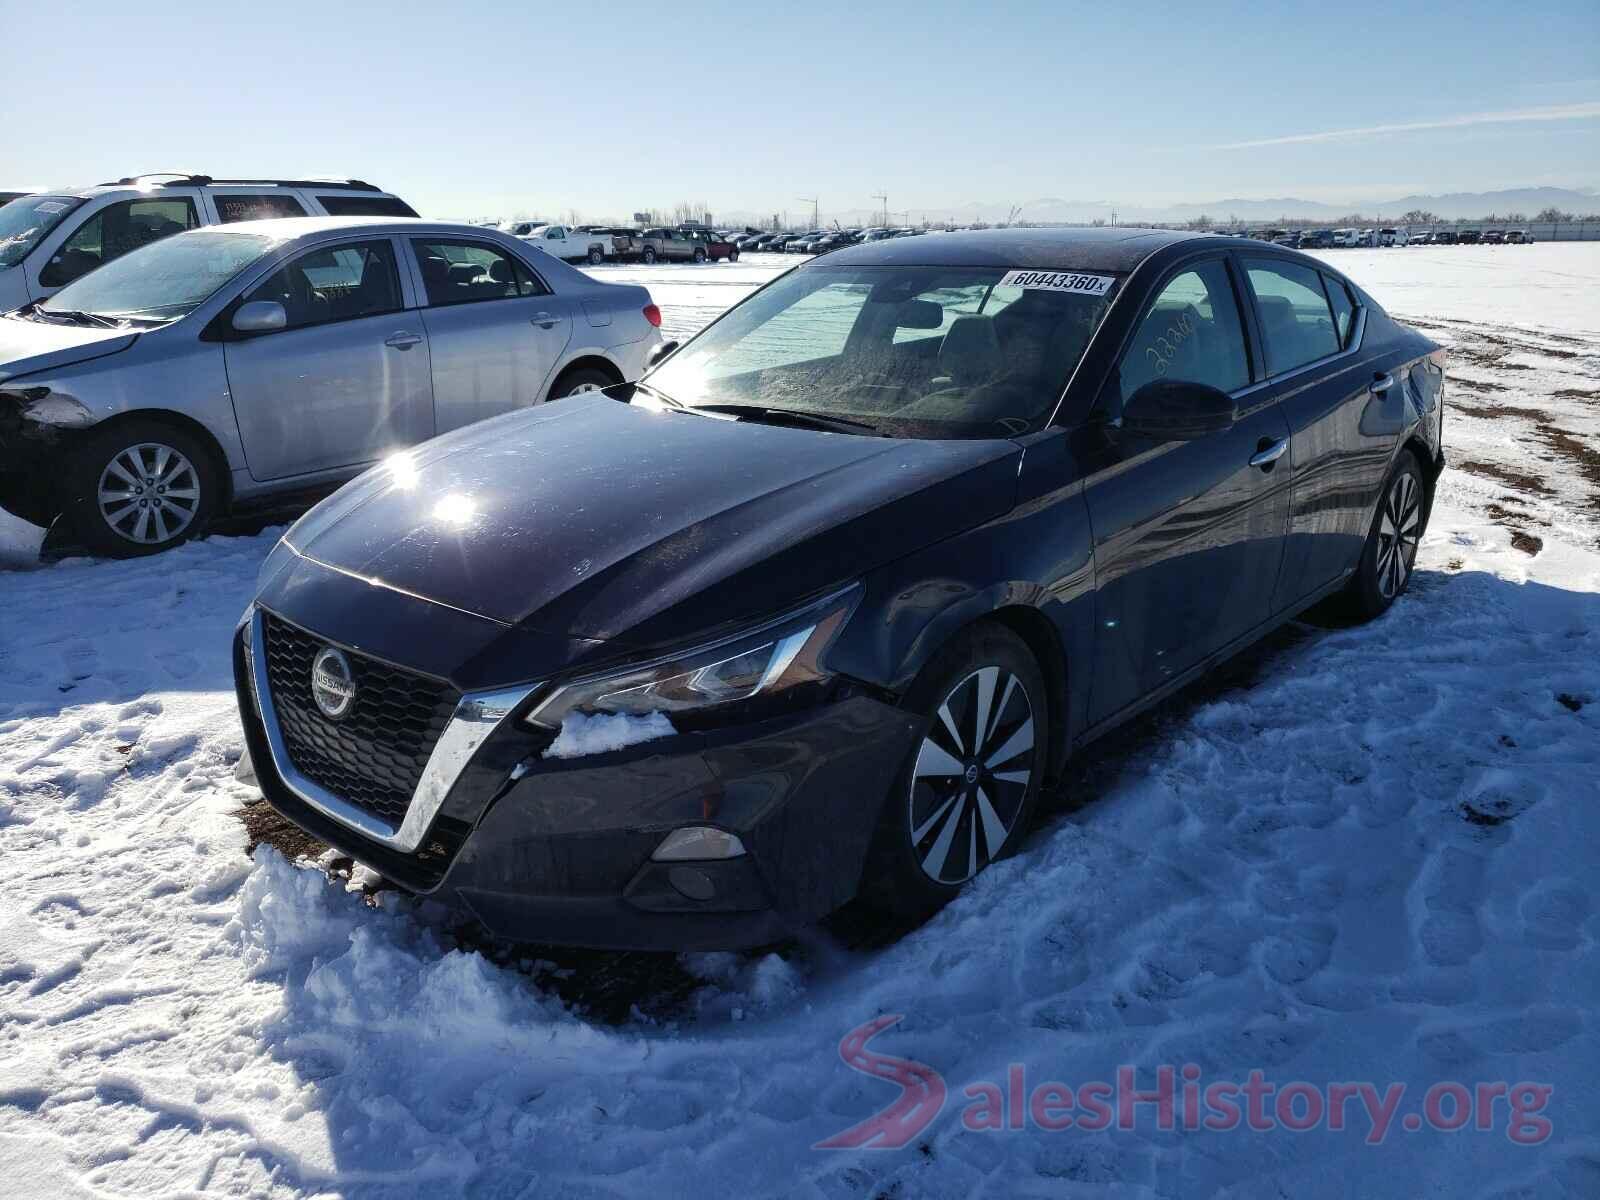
pixel 562 853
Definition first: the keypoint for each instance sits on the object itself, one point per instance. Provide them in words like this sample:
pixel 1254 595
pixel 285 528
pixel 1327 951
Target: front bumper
pixel 558 851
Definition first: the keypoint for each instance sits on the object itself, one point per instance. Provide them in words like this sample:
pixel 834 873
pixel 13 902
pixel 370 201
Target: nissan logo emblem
pixel 333 686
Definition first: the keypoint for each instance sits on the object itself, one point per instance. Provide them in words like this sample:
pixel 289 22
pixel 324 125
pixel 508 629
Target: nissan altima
pixel 241 365
pixel 817 608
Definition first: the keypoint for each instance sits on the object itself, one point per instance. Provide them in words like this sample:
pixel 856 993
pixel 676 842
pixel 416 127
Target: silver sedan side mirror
pixel 260 316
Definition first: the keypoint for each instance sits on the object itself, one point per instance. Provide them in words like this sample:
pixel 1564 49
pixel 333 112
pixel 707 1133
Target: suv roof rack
pixel 186 179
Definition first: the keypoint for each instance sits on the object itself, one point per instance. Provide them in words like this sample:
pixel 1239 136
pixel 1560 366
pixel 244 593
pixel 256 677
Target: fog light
pixel 698 842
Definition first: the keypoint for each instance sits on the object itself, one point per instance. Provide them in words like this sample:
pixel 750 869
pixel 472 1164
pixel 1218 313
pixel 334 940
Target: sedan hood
pixel 591 518
pixel 27 346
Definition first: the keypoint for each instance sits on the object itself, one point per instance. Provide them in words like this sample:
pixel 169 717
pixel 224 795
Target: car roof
pixel 286 228
pixel 1093 249
pixel 154 191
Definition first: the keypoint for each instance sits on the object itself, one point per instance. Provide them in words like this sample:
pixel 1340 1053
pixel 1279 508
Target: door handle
pixel 544 320
pixel 1381 384
pixel 1269 454
pixel 402 341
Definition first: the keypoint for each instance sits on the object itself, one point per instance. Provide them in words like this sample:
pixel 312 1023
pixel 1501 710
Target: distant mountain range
pixel 1052 209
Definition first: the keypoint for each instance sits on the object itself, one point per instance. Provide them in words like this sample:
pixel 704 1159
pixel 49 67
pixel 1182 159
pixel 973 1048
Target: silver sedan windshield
pixel 164 281
pixel 919 351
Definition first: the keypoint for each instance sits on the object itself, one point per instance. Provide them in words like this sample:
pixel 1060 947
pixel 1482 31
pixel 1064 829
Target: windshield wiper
pixel 790 416
pixel 659 394
pixel 78 317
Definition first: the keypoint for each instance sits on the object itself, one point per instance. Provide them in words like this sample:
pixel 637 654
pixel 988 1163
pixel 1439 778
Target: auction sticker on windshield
pixel 1059 281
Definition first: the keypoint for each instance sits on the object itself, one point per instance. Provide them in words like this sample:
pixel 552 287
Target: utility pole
pixel 885 199
pixel 811 200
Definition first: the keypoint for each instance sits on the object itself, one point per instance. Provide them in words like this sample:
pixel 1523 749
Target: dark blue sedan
pixel 817 608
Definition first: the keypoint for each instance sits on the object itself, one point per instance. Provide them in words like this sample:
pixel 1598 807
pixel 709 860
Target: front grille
pixel 375 753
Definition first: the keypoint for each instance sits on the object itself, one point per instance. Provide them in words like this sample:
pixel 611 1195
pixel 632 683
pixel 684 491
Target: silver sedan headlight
pixel 763 661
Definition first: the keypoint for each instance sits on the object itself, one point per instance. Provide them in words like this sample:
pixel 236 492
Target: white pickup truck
pixel 567 243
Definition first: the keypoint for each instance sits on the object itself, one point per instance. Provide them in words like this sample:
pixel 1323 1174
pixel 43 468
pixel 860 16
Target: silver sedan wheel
pixel 584 388
pixel 149 493
pixel 1399 529
pixel 971 776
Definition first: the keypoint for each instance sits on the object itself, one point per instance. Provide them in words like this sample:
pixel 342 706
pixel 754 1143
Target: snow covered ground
pixel 1367 855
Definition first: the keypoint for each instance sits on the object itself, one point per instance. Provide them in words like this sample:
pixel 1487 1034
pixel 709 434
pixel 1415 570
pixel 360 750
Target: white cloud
pixel 1547 112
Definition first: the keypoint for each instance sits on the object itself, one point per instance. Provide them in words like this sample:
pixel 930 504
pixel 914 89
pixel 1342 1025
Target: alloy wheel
pixel 149 493
pixel 1399 530
pixel 971 775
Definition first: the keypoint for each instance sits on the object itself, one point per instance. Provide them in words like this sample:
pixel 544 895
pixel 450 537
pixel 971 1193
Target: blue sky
pixel 491 108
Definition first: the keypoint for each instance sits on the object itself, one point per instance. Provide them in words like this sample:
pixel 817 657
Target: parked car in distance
pixel 1444 237
pixel 234 366
pixel 1317 239
pixel 1420 239
pixel 1289 238
pixel 1344 237
pixel 1494 237
pixel 800 243
pixel 1469 237
pixel 571 245
pixel 670 245
pixel 717 246
pixel 6 197
pixel 1025 484
pixel 834 241
pixel 50 239
pixel 1392 237
pixel 1518 237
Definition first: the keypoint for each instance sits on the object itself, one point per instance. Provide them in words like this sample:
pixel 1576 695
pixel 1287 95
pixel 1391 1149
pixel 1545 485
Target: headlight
pixel 763 661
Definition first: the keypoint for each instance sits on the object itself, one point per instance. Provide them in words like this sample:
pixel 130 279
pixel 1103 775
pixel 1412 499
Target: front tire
pixel 970 785
pixel 649 256
pixel 140 487
pixel 699 256
pixel 1390 554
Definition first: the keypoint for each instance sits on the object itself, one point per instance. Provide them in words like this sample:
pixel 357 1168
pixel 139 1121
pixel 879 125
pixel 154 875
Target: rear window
pixel 349 205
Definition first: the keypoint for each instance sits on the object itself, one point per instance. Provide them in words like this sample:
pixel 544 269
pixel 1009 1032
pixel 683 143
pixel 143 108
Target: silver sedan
pixel 233 367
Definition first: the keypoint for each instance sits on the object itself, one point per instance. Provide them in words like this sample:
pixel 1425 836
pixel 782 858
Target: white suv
pixel 49 239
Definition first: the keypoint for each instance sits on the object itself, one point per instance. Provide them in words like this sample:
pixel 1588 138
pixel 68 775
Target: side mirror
pixel 260 316
pixel 659 353
pixel 1173 410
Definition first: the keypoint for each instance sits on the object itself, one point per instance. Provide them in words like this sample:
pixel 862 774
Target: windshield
pixel 935 352
pixel 163 281
pixel 25 222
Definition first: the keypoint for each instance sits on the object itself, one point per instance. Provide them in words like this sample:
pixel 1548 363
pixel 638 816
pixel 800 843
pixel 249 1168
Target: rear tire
pixel 140 487
pixel 579 381
pixel 733 256
pixel 699 256
pixel 968 789
pixel 596 256
pixel 1390 555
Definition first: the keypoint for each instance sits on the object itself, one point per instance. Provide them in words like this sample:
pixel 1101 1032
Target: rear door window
pixel 1297 326
pixel 115 230
pixel 339 283
pixel 236 206
pixel 455 272
pixel 357 205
